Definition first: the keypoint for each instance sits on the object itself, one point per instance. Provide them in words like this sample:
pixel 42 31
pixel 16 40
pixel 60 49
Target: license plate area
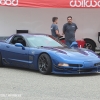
pixel 88 64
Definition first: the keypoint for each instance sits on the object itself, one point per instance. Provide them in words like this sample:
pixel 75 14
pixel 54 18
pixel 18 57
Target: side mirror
pixel 19 45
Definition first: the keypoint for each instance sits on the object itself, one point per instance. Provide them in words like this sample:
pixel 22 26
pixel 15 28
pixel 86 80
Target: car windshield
pixel 43 40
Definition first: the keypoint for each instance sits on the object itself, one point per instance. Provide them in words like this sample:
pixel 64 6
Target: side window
pixel 14 40
pixel 8 39
pixel 18 39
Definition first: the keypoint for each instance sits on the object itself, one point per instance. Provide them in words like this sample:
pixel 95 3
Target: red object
pixel 52 3
pixel 81 43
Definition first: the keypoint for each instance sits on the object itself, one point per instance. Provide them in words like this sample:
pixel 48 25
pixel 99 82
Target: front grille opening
pixel 75 65
pixel 97 64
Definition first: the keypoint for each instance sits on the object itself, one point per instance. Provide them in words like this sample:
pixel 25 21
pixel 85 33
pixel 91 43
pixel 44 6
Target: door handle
pixel 7 46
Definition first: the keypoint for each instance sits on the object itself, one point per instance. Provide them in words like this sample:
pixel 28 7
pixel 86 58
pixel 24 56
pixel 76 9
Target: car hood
pixel 77 53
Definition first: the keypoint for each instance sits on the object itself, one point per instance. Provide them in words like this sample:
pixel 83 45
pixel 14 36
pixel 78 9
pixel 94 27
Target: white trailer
pixel 39 20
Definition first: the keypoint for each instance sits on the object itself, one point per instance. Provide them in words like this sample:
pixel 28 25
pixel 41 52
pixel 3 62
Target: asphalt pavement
pixel 24 84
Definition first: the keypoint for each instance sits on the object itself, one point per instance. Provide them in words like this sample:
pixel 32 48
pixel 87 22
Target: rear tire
pixel 45 64
pixel 1 65
pixel 89 45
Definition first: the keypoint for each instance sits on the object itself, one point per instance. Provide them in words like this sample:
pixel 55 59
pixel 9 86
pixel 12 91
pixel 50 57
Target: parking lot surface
pixel 24 84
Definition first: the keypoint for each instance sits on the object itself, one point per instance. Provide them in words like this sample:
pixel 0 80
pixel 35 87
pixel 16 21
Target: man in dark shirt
pixel 54 27
pixel 69 30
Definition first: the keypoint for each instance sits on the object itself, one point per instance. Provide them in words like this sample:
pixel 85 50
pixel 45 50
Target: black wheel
pixel 89 45
pixel 45 64
pixel 1 65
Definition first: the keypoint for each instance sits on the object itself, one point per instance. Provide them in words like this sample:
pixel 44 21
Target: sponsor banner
pixel 9 3
pixel 85 3
pixel 52 3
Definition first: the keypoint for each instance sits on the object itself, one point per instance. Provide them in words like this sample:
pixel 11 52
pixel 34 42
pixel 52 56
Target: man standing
pixel 69 30
pixel 54 28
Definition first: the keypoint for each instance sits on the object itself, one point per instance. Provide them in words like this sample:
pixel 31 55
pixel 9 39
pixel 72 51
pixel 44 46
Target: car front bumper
pixel 74 70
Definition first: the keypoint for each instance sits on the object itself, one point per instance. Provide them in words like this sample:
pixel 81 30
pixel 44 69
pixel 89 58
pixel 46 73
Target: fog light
pixel 63 64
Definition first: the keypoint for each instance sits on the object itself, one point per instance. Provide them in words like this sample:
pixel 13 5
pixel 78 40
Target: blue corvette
pixel 44 53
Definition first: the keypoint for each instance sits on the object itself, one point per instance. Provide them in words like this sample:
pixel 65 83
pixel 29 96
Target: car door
pixel 16 56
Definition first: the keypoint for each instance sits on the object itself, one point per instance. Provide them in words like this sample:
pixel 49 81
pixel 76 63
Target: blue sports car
pixel 48 55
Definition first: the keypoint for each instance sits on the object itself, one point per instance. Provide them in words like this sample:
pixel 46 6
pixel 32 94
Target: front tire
pixel 45 64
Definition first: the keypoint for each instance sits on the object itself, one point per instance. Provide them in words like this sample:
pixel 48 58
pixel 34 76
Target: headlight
pixel 63 64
